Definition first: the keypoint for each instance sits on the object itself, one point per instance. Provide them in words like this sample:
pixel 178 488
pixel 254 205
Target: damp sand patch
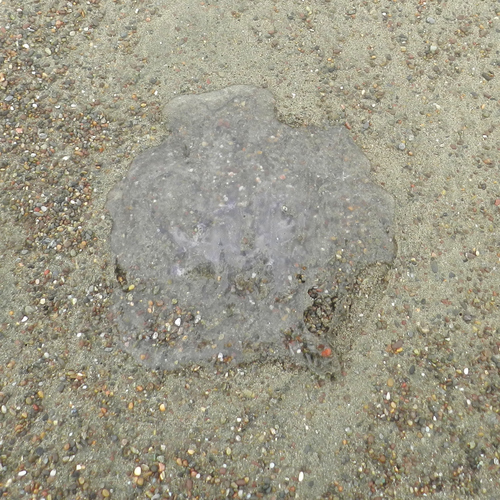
pixel 241 239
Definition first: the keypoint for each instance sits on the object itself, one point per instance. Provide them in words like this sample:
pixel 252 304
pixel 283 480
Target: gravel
pixel 416 409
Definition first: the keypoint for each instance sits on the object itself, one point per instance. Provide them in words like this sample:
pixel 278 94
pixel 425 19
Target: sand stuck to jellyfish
pixel 241 239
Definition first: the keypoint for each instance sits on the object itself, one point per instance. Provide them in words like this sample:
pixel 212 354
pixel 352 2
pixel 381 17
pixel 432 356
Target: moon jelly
pixel 240 239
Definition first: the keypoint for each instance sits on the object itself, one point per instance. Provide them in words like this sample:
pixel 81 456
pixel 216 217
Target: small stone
pixel 489 75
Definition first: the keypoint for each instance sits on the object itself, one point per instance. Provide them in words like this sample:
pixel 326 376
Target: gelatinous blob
pixel 240 238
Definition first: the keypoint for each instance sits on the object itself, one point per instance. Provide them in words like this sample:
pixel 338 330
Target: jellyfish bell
pixel 225 228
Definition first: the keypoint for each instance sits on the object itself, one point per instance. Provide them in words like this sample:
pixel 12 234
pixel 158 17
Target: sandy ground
pixel 416 410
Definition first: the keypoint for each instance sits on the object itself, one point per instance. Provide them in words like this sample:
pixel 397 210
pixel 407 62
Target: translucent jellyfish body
pixel 241 239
